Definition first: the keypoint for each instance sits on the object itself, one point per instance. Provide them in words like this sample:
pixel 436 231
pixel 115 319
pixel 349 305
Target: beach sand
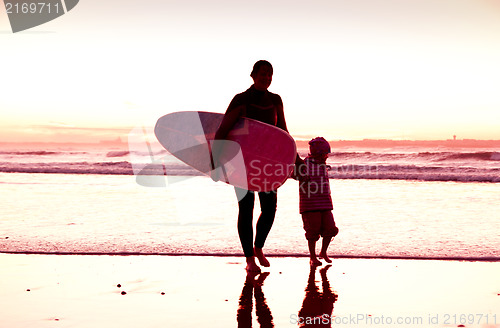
pixel 205 291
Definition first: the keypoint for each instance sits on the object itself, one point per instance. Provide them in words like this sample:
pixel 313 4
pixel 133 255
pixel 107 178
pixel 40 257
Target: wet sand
pixel 205 291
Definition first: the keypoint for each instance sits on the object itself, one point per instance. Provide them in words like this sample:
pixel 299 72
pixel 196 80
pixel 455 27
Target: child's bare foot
pixel 260 256
pixel 325 257
pixel 315 262
pixel 252 267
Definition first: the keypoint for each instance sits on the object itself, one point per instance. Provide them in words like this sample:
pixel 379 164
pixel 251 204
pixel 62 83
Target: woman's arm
pixel 230 118
pixel 232 115
pixel 280 123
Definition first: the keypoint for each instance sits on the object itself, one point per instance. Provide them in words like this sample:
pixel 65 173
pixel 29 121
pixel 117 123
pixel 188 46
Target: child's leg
pixel 312 251
pixel 312 225
pixel 329 230
pixel 324 248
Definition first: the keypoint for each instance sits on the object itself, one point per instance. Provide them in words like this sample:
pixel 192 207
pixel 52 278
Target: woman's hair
pixel 258 65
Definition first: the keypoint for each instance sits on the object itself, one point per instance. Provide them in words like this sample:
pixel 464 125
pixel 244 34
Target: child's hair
pixel 319 146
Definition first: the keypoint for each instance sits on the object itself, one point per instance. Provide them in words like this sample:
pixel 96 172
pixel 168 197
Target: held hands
pixel 300 172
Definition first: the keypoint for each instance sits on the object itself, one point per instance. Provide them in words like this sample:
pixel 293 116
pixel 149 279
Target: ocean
pixel 396 163
pixel 399 202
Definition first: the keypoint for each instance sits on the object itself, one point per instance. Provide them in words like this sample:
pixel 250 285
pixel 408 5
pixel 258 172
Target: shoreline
pixel 491 259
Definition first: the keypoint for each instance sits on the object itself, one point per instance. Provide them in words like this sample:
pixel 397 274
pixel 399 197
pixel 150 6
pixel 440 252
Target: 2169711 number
pixel 32 8
pixel 471 319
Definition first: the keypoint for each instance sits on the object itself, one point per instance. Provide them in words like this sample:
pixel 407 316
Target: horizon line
pixel 298 139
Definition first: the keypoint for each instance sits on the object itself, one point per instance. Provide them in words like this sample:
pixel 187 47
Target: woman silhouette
pixel 259 104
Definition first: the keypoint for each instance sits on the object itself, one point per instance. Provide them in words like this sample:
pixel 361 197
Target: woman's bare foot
pixel 315 262
pixel 260 256
pixel 325 257
pixel 252 266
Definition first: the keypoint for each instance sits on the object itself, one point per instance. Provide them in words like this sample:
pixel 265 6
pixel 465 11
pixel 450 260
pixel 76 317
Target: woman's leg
pixel 268 201
pixel 245 218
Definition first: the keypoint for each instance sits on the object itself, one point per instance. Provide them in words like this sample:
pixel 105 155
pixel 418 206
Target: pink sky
pixel 415 69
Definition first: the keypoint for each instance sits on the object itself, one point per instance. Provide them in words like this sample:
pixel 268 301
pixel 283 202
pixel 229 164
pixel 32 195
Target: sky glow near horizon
pixel 407 69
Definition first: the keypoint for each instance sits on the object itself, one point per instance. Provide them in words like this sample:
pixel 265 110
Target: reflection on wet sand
pixel 317 307
pixel 253 287
pixel 316 310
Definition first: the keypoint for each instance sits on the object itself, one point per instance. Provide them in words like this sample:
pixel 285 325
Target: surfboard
pixel 255 156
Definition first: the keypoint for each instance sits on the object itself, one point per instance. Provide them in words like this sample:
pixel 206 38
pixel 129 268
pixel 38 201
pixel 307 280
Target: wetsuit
pixel 263 106
pixel 266 107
